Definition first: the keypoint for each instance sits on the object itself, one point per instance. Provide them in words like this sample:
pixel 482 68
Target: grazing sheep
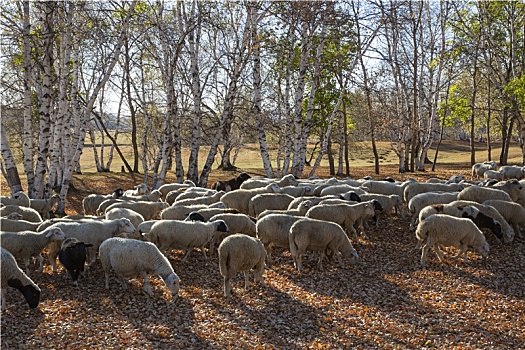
pixel 241 253
pixel 44 206
pixel 480 194
pixel 386 188
pixel 273 230
pixel 28 244
pixel 101 210
pixel 346 215
pixel 416 188
pixel 119 213
pixel 137 190
pixel 154 196
pixel 172 196
pixel 148 210
pixel 90 203
pixel 11 275
pixel 343 188
pixel 319 235
pixel 18 198
pixel 28 214
pixel 90 232
pixel 298 191
pixel 17 225
pixel 512 172
pixel 493 174
pixel 439 229
pixel 420 201
pixel 129 257
pixel 232 184
pixel 250 184
pixel 72 255
pixel 206 200
pixel 237 223
pixel 182 211
pixel 184 235
pixel 240 199
pixel 435 180
pixel 491 219
pixel 389 203
pixel 512 187
pixel 455 179
pixel 274 201
pixel 513 213
pixel 195 192
pixel 479 169
pixel 300 211
pixel 194 216
pixel 166 188
pixel 207 213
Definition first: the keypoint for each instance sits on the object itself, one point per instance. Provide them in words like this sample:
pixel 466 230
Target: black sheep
pixel 232 184
pixel 72 256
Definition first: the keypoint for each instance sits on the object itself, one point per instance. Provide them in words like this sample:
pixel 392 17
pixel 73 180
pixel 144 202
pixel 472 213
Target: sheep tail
pixel 224 264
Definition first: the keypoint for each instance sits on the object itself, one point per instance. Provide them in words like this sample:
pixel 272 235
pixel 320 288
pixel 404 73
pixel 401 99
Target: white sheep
pixel 166 188
pixel 263 201
pixel 389 203
pixel 273 230
pixel 343 188
pixel 463 211
pixel 206 200
pixel 207 213
pixel 12 276
pixel 18 225
pixel 318 235
pixel 137 190
pixel 241 253
pixel 480 194
pixel 44 206
pixel 314 200
pixel 298 191
pixel 29 244
pixel 172 196
pixel 416 188
pixel 493 174
pixel 154 196
pixel 421 200
pixel 101 210
pixel 182 211
pixel 253 183
pixel 346 215
pixel 240 199
pixel 28 214
pixel 18 198
pixel 90 232
pixel 300 211
pixel 512 172
pixel 385 187
pixel 513 187
pixel 479 169
pixel 237 223
pixel 119 213
pixel 195 192
pixel 148 210
pixel 490 219
pixel 184 235
pixel 130 257
pixel 513 213
pixel 90 203
pixel 145 226
pixel 439 229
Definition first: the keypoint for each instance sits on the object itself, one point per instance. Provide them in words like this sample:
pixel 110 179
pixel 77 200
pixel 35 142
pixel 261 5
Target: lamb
pixel 129 257
pixel 27 244
pixel 479 169
pixel 118 213
pixel 232 184
pixel 166 188
pixel 263 201
pixel 137 190
pixel 11 275
pixel 154 196
pixel 182 211
pixel 206 200
pixel 439 229
pixel 172 196
pixel 480 194
pixel 28 214
pixel 420 201
pixel 343 188
pixel 237 223
pixel 184 235
pixel 273 230
pixel 44 206
pixel 318 235
pixel 241 253
pixel 195 192
pixel 18 225
pixel 490 219
pixel 300 211
pixel 493 174
pixel 346 215
pixel 90 203
pixel 148 210
pixel 91 232
pixel 513 213
pixel 416 188
pixel 18 198
pixel 239 199
pixel 288 180
pixel 512 172
pixel 72 255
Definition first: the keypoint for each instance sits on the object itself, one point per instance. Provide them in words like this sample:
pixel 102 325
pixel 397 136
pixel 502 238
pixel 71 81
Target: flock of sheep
pixel 132 232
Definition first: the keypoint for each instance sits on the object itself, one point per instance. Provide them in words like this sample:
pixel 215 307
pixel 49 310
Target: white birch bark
pixel 28 146
pixel 11 172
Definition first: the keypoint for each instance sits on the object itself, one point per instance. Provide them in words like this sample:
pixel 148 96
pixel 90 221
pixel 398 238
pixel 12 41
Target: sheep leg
pixel 52 256
pixel 227 286
pixel 258 271
pixel 147 287
pixel 269 253
pixel 186 255
pixel 41 260
pixel 320 262
pixel 123 282
pixel 3 299
pixel 246 280
pixel 212 246
pixel 424 255
pixel 438 252
pixel 204 253
pixel 463 250
pixel 106 275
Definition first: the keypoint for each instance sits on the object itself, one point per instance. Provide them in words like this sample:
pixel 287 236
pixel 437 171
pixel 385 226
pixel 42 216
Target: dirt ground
pixel 385 301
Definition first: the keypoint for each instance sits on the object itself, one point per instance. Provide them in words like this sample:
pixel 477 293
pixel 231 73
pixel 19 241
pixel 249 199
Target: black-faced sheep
pixel 72 255
pixel 232 184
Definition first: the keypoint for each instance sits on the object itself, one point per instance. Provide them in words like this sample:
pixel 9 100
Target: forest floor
pixel 385 301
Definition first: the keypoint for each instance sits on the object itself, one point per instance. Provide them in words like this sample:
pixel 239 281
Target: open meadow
pixel 385 301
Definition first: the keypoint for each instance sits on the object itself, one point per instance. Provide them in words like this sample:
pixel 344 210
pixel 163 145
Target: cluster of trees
pixel 219 74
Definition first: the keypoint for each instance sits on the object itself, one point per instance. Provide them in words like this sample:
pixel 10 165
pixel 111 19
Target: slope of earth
pixel 385 301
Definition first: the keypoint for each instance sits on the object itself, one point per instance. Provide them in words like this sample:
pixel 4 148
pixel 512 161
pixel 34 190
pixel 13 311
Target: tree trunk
pixel 28 146
pixel 132 111
pixel 11 172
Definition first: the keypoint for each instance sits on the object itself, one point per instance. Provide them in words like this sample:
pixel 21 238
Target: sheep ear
pixel 50 233
pixel 172 278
